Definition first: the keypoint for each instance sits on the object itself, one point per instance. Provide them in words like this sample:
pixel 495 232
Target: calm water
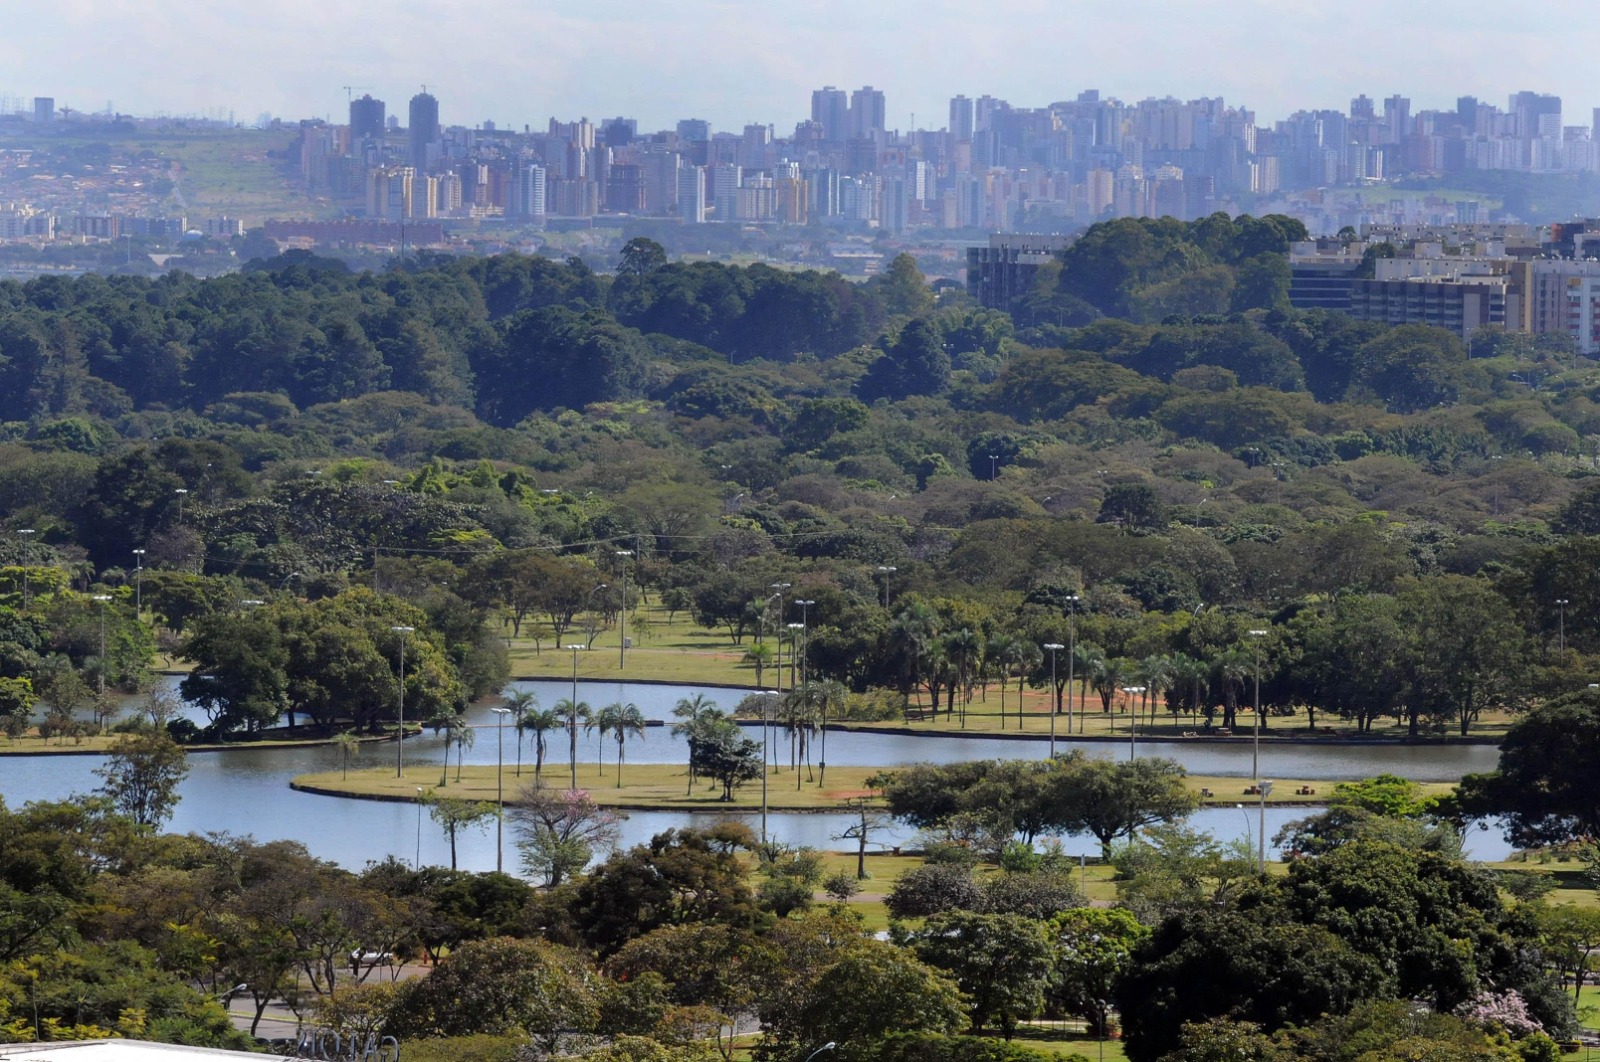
pixel 246 791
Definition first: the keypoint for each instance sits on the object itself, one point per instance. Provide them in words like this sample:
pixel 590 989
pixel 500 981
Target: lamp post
pixel 138 582
pixel 777 632
pixel 180 492
pixel 795 630
pixel 100 678
pixel 572 715
pixel 1265 789
pixel 416 860
pixel 1133 722
pixel 622 556
pixel 27 565
pixel 1561 606
pixel 829 1046
pixel 766 700
pixel 499 788
pixel 1255 750
pixel 1055 691
pixel 1072 659
pixel 400 729
pixel 886 570
pixel 994 466
pixel 805 629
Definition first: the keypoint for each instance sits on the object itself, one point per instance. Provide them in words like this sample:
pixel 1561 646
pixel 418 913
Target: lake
pixel 246 791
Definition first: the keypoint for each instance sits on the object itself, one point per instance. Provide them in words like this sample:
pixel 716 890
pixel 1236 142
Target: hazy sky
pixel 522 61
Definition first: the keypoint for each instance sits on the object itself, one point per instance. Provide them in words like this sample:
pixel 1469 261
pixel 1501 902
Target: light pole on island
pixel 499 788
pixel 1265 789
pixel 1055 692
pixel 572 715
pixel 1255 750
pixel 1133 721
pixel 400 728
pixel 138 582
pixel 1072 661
pixel 886 570
pixel 1561 606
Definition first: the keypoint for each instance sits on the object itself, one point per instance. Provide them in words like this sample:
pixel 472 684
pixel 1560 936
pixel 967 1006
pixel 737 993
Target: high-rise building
pixel 725 181
pixel 366 118
pixel 692 194
pixel 830 108
pixel 44 109
pixel 694 129
pixel 424 130
pixel 867 113
pixel 960 119
pixel 753 148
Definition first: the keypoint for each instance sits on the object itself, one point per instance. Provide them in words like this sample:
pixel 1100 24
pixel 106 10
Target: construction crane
pixel 350 90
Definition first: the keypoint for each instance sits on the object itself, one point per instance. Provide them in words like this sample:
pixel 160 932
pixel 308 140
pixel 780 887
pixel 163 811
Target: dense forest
pixel 1408 516
pixel 332 492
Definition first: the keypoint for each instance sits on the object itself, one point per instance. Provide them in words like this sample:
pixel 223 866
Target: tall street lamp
pixel 1255 751
pixel 100 678
pixel 572 716
pixel 622 556
pixel 886 570
pixel 805 627
pixel 767 696
pixel 994 466
pixel 400 730
pixel 1561 605
pixel 1055 691
pixel 795 630
pixel 1133 722
pixel 180 492
pixel 1265 789
pixel 138 582
pixel 499 788
pixel 1072 659
pixel 27 566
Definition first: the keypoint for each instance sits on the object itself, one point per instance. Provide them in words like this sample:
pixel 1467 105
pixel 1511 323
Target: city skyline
pixel 709 59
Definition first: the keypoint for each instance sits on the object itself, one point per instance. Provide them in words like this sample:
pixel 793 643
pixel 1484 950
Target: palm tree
pixel 1192 674
pixel 1002 652
pixel 1029 655
pixel 1231 668
pixel 349 747
pixel 571 713
pixel 1086 660
pixel 620 720
pixel 758 656
pixel 521 703
pixel 1107 678
pixel 1155 674
pixel 689 710
pixel 464 737
pixel 539 723
pixel 964 650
